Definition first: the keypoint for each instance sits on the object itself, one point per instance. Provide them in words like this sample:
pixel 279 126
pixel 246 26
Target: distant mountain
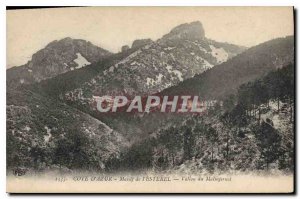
pixel 56 58
pixel 111 75
pixel 44 133
pixel 179 55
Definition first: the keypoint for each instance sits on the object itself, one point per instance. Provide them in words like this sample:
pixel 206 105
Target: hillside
pixel 56 58
pixel 51 105
pixel 179 55
pixel 217 83
pixel 225 78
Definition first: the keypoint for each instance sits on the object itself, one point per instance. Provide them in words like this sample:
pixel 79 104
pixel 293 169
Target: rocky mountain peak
pixel 64 55
pixel 191 31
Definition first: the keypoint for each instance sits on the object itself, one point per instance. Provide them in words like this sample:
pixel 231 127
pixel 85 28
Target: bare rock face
pixel 56 58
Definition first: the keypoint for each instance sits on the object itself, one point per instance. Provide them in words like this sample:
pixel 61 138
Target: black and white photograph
pixel 150 99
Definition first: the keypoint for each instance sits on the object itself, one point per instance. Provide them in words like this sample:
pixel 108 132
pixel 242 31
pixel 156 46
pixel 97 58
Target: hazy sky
pixel 112 27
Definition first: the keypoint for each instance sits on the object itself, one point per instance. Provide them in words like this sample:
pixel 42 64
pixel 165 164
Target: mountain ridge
pixel 261 59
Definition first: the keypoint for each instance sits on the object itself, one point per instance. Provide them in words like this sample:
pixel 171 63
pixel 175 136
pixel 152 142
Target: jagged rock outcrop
pixel 56 58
